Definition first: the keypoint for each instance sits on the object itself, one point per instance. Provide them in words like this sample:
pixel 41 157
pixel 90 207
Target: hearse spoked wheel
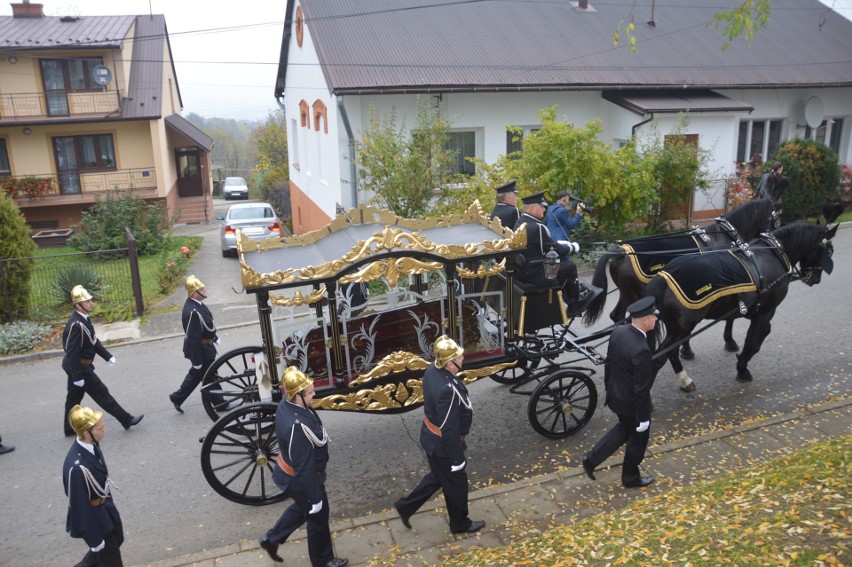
pixel 230 382
pixel 525 365
pixel 562 404
pixel 238 455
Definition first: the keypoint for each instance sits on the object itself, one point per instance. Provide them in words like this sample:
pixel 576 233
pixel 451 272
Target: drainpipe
pixel 352 171
pixel 638 124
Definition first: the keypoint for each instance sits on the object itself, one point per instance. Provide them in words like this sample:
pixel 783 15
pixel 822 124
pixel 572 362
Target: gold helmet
pixel 193 284
pixel 445 350
pixel 295 381
pixel 83 419
pixel 79 294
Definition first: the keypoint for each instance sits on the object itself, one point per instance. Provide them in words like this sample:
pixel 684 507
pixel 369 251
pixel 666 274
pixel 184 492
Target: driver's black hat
pixel 642 307
pixel 535 199
pixel 508 187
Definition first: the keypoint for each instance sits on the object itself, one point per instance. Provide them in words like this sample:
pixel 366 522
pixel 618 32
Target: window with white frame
pixel 758 139
pixel 463 145
pixel 515 137
pixel 829 132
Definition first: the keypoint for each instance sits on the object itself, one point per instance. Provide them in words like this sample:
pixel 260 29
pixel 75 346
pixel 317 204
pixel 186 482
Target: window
pixel 79 154
pixel 5 168
pixel 758 139
pixel 829 133
pixel 61 76
pixel 463 144
pixel 294 137
pixel 515 137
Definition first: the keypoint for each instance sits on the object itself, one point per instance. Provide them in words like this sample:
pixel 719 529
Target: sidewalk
pixel 530 505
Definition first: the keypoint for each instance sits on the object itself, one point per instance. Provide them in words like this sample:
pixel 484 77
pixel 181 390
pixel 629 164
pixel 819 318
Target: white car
pixel 256 220
pixel 235 188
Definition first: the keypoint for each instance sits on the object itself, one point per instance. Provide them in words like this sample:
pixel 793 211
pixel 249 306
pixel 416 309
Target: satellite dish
pixel 814 111
pixel 102 75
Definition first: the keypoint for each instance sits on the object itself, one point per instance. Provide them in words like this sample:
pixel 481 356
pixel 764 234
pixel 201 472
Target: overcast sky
pixel 226 52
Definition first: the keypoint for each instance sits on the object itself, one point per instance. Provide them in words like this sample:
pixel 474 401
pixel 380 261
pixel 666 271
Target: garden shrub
pixel 77 274
pixel 173 265
pixel 814 174
pixel 102 226
pixel 21 336
pixel 15 242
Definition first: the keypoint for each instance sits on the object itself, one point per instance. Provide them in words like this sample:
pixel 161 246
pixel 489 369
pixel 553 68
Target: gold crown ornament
pixel 445 350
pixel 295 381
pixel 83 419
pixel 193 284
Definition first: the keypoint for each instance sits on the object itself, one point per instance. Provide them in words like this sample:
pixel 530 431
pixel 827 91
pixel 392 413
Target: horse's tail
pixel 595 307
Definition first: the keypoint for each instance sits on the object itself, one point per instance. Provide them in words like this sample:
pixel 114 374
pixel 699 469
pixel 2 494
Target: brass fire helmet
pixel 83 419
pixel 295 381
pixel 193 284
pixel 445 350
pixel 79 294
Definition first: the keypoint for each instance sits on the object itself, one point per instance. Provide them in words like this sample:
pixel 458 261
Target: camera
pixel 574 201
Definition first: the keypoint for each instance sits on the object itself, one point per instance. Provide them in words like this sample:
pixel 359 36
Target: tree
pixel 17 246
pixel 271 169
pixel 814 174
pixel 402 171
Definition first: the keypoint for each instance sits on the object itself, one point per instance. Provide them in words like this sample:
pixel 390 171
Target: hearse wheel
pixel 525 365
pixel 230 382
pixel 238 455
pixel 562 404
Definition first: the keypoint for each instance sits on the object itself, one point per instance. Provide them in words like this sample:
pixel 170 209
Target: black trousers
pixel 319 535
pixel 623 432
pixel 190 382
pixel 454 485
pixel 98 391
pixel 110 555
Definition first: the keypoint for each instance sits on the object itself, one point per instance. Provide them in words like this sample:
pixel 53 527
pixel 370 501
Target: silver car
pixel 256 220
pixel 235 188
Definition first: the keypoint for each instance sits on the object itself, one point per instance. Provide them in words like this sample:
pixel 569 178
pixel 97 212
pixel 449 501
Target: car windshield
pixel 251 213
pixel 235 181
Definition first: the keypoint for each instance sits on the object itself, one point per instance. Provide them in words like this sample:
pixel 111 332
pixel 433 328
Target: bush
pixel 15 242
pixel 102 226
pixel 21 336
pixel 814 175
pixel 173 265
pixel 78 274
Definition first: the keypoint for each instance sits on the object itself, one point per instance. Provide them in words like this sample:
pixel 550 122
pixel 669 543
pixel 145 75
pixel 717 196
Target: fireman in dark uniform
pixel 506 208
pixel 300 473
pixel 448 415
pixel 81 345
pixel 200 340
pixel 92 515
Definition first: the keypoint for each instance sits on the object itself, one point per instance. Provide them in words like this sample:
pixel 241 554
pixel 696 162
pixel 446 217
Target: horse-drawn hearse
pixel 357 307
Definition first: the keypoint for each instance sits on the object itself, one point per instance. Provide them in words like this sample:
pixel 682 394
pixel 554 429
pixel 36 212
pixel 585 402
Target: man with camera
pixel 563 215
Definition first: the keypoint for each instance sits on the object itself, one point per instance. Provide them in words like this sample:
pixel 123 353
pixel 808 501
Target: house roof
pixel 183 126
pixel 143 97
pixel 383 46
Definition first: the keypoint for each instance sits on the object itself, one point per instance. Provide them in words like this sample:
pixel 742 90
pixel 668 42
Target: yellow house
pixel 90 104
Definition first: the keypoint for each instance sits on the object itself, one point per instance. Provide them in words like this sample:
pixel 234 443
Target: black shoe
pixel 271 549
pixel 405 519
pixel 588 467
pixel 638 482
pixel 475 526
pixel 337 562
pixel 177 405
pixel 587 295
pixel 134 420
pixel 6 449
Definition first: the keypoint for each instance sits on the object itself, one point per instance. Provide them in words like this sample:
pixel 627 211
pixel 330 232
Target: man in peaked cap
pixel 628 378
pixel 506 208
pixel 447 417
pixel 81 345
pixel 539 243
pixel 92 515
pixel 199 342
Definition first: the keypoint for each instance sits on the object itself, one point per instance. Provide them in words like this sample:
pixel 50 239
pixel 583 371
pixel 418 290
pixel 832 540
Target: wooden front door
pixel 189 172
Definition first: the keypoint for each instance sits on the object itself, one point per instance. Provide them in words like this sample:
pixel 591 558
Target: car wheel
pixel 226 253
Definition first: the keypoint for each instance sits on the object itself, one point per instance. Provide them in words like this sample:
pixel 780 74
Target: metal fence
pixel 106 274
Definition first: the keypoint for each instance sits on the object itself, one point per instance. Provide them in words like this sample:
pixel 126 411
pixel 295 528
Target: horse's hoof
pixel 732 347
pixel 687 354
pixel 688 388
pixel 744 376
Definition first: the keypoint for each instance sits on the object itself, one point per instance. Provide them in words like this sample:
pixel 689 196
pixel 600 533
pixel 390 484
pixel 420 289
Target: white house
pixel 490 64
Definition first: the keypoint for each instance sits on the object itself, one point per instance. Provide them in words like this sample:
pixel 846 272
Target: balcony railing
pixel 58 104
pixel 77 186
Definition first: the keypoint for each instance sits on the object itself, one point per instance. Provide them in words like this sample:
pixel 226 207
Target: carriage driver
pixel 539 243
pixel 506 208
pixel 300 473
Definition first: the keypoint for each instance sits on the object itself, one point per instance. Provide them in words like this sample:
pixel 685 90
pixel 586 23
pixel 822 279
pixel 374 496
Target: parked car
pixel 256 220
pixel 235 188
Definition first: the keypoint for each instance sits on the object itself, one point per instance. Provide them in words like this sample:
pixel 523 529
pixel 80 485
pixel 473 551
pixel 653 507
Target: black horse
pixel 766 267
pixel 635 262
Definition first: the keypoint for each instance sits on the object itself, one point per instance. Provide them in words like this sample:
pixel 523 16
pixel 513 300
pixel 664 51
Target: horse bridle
pixel 825 263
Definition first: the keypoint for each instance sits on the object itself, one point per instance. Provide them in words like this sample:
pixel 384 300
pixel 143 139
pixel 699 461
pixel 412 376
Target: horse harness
pixel 762 287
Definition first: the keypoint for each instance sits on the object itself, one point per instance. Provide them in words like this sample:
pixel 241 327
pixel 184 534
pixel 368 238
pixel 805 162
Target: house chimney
pixel 27 10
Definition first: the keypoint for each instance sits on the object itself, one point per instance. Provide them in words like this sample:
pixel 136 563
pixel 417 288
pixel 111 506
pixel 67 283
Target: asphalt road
pixel 169 510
